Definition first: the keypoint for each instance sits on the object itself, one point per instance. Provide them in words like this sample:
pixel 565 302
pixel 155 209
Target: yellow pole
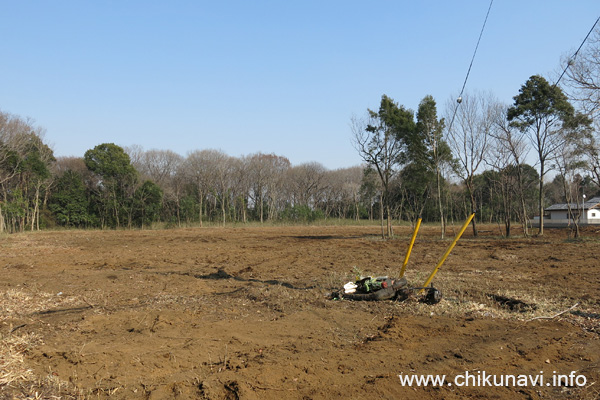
pixel 462 230
pixel 410 246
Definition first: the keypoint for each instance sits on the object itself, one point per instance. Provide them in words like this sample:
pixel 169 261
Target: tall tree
pixel 276 182
pixel 25 163
pixel 508 152
pixel 69 203
pixel 543 112
pixel 382 142
pixel 582 78
pixel 199 171
pixel 468 139
pixel 259 166
pixel 35 174
pixel 12 130
pixel 117 179
pixel 305 184
pixel 582 84
pixel 431 149
pixel 157 165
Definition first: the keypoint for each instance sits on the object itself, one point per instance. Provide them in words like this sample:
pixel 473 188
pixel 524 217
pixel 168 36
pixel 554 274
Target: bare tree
pixel 13 139
pixel 341 191
pixel 135 153
pixel 380 139
pixel 260 170
pixel 158 165
pixel 240 185
pixel 582 77
pixel 510 147
pixel 221 166
pixel 582 84
pixel 569 163
pixel 176 187
pixel 75 164
pixel 276 184
pixel 370 190
pixel 468 138
pixel 305 183
pixel 351 179
pixel 198 167
pixel 165 168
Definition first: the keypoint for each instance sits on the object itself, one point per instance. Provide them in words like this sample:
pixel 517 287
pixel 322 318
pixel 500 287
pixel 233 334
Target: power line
pixel 459 100
pixel 476 47
pixel 572 59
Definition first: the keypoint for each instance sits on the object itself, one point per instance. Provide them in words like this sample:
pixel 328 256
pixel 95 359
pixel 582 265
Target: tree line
pixel 112 187
pixel 116 187
pixel 416 164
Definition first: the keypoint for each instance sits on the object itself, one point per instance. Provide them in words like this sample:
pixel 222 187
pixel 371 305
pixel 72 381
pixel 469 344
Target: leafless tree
pixel 582 84
pixel 582 76
pixel 276 184
pixel 135 153
pixel 343 191
pixel 370 190
pixel 220 166
pixel 240 187
pixel 262 173
pixel 509 147
pixel 13 139
pixel 75 164
pixel 468 137
pixel 198 167
pixel 380 149
pixel 158 165
pixel 569 163
pixel 306 182
pixel 165 168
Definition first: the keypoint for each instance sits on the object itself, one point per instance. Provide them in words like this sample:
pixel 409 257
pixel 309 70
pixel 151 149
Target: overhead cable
pixel 459 99
pixel 572 59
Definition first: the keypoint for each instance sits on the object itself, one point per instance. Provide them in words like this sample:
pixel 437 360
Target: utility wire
pixel 572 59
pixel 459 100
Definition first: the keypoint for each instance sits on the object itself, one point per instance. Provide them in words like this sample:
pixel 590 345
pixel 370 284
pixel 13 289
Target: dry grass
pixel 461 297
pixel 16 379
pixel 16 303
pixel 475 294
pixel 13 348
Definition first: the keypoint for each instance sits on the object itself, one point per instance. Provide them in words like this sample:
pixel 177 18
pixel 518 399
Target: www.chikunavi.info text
pixel 483 379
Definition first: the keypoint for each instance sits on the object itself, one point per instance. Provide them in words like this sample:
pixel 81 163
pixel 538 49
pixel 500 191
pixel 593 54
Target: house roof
pixel 591 203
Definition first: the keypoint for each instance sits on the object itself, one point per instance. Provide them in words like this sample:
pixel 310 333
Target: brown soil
pixel 241 313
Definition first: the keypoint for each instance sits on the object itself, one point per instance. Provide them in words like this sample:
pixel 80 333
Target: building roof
pixel 591 203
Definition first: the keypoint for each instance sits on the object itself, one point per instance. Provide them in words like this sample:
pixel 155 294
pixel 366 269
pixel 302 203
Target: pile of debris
pixel 384 288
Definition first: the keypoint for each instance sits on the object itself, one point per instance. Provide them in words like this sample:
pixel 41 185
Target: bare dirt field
pixel 241 313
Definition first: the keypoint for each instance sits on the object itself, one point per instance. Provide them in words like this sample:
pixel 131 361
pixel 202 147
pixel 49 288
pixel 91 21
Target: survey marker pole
pixel 462 230
pixel 410 246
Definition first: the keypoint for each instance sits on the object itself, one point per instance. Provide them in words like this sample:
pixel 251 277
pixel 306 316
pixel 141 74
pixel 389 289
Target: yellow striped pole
pixel 410 246
pixel 462 230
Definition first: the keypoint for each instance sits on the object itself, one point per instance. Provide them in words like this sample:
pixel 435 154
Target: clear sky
pixel 281 77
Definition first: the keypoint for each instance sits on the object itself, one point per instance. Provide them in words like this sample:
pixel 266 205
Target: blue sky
pixel 281 77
